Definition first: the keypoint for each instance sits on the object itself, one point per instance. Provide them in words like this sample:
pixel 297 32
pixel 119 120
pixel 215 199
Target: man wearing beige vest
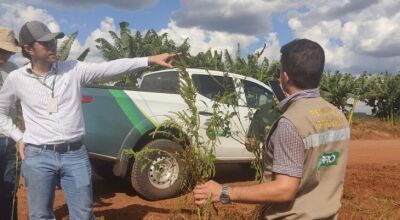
pixel 305 153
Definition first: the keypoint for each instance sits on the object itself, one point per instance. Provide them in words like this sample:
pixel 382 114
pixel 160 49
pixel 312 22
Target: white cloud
pixel 101 32
pixel 250 17
pixel 200 40
pixel 272 49
pixel 356 35
pixel 15 15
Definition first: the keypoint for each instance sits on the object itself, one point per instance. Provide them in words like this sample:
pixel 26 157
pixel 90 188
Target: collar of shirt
pixel 30 72
pixel 303 94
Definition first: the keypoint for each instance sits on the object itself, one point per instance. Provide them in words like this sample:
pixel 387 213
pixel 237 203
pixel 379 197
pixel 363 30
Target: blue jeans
pixel 8 179
pixel 42 169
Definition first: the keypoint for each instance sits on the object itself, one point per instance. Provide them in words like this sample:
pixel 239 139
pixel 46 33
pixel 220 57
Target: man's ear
pixel 287 85
pixel 28 49
pixel 286 77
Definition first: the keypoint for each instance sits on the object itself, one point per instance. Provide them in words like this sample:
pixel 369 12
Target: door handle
pixel 205 113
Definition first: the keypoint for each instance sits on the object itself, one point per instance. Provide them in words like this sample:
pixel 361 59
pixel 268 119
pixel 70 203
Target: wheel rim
pixel 163 172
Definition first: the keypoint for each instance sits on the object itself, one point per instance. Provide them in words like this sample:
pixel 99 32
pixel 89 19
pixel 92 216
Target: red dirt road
pixel 374 151
pixel 371 191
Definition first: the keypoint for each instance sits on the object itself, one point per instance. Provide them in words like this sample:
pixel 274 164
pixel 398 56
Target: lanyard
pixel 47 86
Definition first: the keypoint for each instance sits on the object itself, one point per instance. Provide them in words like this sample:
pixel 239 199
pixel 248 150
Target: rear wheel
pixel 158 174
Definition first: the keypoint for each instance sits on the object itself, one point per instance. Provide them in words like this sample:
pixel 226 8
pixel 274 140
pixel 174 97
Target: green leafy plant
pixel 128 45
pixel 183 127
pixel 64 49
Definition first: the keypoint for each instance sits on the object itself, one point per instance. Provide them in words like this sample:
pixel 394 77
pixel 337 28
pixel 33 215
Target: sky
pixel 357 35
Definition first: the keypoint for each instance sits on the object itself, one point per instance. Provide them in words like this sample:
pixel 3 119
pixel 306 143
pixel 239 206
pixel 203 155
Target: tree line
pixel 380 91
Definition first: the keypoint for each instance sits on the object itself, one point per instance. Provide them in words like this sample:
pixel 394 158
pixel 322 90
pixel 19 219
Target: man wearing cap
pixel 52 147
pixel 8 174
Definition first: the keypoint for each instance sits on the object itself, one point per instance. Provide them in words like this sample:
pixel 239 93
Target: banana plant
pixel 65 48
pixel 128 45
pixel 337 88
pixel 385 97
pixel 363 88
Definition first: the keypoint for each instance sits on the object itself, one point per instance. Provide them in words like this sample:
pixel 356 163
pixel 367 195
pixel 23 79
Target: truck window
pixel 256 95
pixel 163 82
pixel 218 88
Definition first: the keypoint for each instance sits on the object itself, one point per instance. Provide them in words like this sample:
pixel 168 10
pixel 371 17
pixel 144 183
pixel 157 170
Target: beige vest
pixel 325 133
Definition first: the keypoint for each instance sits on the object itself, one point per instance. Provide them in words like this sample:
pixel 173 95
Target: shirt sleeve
pixel 288 150
pixel 8 99
pixel 89 72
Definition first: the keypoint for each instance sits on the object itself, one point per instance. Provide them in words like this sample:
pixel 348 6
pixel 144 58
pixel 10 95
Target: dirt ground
pixel 371 191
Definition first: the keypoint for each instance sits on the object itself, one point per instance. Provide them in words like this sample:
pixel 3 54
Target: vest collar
pixel 308 93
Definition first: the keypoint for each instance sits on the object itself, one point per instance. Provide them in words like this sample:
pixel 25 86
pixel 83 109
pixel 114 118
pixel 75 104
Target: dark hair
pixel 303 60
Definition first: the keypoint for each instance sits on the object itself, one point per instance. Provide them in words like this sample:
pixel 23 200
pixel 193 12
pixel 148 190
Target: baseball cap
pixel 37 31
pixel 8 41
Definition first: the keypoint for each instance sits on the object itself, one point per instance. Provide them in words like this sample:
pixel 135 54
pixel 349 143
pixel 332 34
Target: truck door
pixel 221 89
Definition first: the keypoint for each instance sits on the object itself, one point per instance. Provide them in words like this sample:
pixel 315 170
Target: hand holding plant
pixel 203 192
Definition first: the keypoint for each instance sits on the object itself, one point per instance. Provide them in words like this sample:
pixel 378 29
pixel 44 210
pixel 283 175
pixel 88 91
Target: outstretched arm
pixel 94 71
pixel 164 59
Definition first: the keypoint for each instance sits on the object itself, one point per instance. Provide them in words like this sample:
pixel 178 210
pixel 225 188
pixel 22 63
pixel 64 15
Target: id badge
pixel 52 105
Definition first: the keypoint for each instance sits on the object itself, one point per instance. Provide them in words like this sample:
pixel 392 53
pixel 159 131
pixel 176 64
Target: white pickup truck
pixel 119 118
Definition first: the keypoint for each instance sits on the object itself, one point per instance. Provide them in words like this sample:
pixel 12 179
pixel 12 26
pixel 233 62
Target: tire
pixel 151 182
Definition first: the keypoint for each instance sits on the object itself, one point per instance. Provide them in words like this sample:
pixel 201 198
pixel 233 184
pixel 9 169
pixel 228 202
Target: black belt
pixel 60 148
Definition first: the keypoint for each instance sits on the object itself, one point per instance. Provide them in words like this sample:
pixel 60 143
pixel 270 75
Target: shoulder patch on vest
pixel 328 159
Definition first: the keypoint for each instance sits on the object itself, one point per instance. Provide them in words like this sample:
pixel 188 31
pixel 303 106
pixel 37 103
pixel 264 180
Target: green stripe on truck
pixel 131 111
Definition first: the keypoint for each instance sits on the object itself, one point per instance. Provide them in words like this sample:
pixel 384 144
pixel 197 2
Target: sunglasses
pixel 48 44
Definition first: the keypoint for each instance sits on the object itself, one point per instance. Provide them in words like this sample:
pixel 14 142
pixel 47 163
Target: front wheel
pixel 158 173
